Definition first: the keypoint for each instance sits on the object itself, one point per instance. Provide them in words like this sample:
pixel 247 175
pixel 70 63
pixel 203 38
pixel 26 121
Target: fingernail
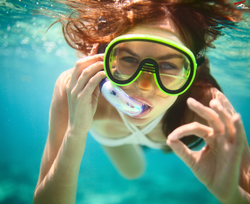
pixel 173 137
pixel 168 142
pixel 220 107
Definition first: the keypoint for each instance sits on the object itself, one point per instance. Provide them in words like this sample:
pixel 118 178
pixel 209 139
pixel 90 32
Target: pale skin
pixel 222 165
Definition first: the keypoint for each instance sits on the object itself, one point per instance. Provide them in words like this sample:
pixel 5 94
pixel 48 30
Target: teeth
pixel 144 103
pixel 146 107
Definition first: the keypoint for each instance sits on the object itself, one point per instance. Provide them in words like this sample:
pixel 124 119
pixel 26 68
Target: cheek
pixel 166 103
pixel 161 94
pixel 129 89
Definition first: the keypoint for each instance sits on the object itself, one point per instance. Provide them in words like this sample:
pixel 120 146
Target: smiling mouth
pixel 146 110
pixel 146 107
pixel 143 101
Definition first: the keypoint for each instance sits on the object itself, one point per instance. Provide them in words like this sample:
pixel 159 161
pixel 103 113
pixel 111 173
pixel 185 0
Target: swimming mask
pixel 172 65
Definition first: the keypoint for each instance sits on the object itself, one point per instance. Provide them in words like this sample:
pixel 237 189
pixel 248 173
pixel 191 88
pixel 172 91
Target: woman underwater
pixel 157 57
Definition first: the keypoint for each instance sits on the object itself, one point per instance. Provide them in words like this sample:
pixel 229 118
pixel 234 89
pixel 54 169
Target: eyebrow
pixel 171 56
pixel 128 51
pixel 164 57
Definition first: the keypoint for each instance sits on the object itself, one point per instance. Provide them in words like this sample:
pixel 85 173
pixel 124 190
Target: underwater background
pixel 30 62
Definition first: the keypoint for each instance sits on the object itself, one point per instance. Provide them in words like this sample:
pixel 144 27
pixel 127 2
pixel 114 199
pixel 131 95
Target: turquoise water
pixel 31 60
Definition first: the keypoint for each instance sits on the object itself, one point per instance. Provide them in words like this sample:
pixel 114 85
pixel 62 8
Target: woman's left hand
pixel 217 164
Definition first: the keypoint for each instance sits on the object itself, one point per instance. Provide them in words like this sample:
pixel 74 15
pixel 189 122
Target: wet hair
pixel 198 22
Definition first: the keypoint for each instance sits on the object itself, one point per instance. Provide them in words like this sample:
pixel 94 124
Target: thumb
pixel 182 151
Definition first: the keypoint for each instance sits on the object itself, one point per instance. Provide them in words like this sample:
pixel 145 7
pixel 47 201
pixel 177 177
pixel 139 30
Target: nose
pixel 146 81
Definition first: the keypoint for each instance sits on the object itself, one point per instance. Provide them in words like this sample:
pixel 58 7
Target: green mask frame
pixel 149 64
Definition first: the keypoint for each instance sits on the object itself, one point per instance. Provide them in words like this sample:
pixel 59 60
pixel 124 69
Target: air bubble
pixel 24 55
pixel 6 52
pixel 34 47
pixel 59 41
pixel 44 38
pixel 25 40
pixel 18 50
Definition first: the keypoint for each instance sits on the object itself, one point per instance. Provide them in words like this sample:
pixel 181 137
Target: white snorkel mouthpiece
pixel 120 100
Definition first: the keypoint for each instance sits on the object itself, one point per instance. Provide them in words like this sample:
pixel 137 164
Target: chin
pixel 138 121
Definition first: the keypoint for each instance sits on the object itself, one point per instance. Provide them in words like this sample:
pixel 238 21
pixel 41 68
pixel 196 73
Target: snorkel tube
pixel 120 100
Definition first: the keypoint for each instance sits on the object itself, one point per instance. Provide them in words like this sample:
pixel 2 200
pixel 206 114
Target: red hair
pixel 199 22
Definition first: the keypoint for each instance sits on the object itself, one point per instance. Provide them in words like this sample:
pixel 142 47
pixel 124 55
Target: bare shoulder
pixel 60 86
pixel 59 104
pixel 58 119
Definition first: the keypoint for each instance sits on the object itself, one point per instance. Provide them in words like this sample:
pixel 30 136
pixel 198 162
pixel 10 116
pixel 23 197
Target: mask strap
pixel 101 48
pixel 199 60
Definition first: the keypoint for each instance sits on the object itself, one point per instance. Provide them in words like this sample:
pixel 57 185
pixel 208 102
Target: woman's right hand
pixel 83 93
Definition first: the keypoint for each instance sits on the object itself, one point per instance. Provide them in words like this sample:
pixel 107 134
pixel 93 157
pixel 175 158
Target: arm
pixel 221 165
pixel 60 165
pixel 72 109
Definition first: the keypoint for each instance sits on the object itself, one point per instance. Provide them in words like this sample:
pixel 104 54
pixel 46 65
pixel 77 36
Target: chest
pixel 115 130
pixel 108 123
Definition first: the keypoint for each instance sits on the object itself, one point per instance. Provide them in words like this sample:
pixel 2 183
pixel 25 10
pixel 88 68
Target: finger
pixel 229 129
pixel 92 84
pixel 239 143
pixel 94 49
pixel 208 114
pixel 80 65
pixel 85 76
pixel 240 135
pixel 182 151
pixel 194 128
pixel 95 97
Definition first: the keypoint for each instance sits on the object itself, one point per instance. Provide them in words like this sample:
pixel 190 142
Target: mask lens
pixel 125 62
pixel 122 61
pixel 174 69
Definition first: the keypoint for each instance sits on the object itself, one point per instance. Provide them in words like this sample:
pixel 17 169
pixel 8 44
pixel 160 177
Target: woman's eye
pixel 129 59
pixel 167 66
